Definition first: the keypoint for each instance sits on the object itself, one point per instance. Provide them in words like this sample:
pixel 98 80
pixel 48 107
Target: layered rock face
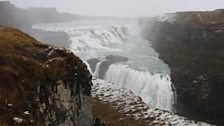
pixel 40 84
pixel 192 43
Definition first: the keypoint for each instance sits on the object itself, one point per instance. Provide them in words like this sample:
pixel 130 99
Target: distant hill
pixel 23 19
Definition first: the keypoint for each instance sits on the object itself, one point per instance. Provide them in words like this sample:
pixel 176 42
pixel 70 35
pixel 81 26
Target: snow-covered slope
pixel 125 101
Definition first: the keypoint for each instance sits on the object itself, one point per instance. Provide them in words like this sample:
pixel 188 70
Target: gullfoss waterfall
pixel 118 54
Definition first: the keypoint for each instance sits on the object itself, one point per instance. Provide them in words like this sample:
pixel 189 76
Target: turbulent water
pixel 116 52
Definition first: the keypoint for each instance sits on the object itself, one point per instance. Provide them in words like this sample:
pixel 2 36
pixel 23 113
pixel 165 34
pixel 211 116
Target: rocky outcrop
pixel 40 84
pixel 104 65
pixel 99 122
pixel 191 43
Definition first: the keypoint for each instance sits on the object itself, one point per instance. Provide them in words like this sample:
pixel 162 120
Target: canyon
pixel 172 76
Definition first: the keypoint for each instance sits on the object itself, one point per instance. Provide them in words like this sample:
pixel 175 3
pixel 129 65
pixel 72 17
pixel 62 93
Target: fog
pixel 122 7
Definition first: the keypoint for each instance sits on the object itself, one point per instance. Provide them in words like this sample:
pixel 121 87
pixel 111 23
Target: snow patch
pixel 26 113
pixel 17 120
pixel 167 18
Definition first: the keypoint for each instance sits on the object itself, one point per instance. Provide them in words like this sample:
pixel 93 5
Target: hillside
pixel 41 84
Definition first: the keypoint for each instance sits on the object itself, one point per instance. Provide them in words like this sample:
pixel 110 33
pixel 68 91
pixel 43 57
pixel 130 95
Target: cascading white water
pixel 96 37
pixel 96 72
pixel 155 89
pixel 97 42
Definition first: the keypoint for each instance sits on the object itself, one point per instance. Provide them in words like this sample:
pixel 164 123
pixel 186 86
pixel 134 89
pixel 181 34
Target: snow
pixel 10 105
pixel 125 101
pixel 167 18
pixel 26 113
pixel 18 120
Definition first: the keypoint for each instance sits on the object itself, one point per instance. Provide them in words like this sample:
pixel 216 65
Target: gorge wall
pixel 192 43
pixel 40 84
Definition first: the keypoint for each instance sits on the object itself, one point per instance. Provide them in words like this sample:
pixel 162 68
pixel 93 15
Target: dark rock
pixel 92 63
pixel 99 122
pixel 111 59
pixel 104 67
pixel 192 45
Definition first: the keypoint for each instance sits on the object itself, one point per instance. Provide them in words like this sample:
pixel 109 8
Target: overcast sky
pixel 122 7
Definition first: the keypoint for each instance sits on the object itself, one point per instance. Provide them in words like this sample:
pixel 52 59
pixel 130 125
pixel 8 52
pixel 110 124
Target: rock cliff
pixel 40 84
pixel 191 43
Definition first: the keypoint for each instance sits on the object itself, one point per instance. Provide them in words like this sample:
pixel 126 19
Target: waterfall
pixel 84 39
pixel 155 89
pixel 95 37
pixel 97 70
pixel 108 46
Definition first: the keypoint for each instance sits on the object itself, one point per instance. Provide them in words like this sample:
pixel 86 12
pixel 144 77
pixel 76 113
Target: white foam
pixel 95 37
pixel 96 72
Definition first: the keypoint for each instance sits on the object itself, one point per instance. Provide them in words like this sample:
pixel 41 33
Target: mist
pixel 121 8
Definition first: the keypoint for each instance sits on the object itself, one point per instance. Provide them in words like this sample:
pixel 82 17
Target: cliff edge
pixel 191 43
pixel 41 84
